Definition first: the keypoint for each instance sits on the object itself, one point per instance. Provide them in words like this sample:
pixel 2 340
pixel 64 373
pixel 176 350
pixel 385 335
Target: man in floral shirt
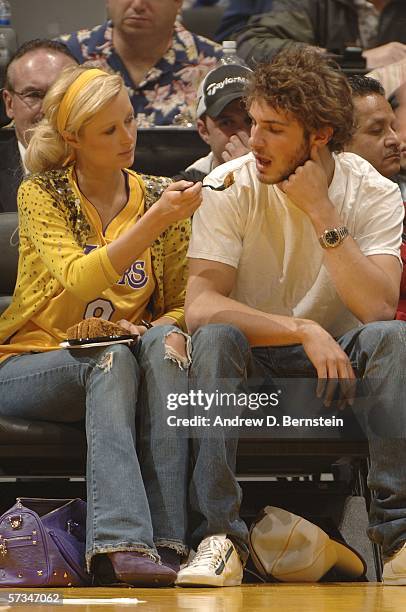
pixel 161 62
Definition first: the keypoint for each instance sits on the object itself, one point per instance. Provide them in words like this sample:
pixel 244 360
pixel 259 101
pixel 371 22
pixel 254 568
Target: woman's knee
pixel 167 342
pixel 118 360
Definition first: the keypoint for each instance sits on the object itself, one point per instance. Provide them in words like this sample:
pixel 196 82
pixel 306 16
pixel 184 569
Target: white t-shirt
pixel 256 229
pixel 203 164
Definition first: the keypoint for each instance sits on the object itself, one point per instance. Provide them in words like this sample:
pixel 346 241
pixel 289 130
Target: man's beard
pixel 403 163
pixel 299 158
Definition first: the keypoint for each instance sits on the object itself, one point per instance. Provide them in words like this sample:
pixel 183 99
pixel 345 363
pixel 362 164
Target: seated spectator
pixel 237 14
pixel 294 272
pixel 398 103
pixel 160 61
pixel 98 242
pixel 222 119
pixel 376 140
pixel 29 74
pixel 331 25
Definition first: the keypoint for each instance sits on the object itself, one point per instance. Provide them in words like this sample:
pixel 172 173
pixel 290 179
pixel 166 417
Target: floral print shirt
pixel 167 95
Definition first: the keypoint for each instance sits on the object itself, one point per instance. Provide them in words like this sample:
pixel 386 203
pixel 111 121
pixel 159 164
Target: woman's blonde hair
pixel 47 149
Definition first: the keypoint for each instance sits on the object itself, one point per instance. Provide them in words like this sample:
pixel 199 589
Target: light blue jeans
pixel 219 358
pixel 222 359
pixel 190 483
pixel 107 386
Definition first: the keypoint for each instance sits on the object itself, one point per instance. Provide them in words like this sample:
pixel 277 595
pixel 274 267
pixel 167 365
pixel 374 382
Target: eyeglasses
pixel 32 98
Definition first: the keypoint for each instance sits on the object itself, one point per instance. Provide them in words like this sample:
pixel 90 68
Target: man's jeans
pixel 209 492
pixel 222 359
pixel 101 385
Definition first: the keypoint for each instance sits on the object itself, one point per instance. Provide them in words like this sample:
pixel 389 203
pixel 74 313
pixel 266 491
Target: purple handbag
pixel 42 543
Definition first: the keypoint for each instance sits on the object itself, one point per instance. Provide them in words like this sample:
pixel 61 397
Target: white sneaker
pixel 216 564
pixel 394 570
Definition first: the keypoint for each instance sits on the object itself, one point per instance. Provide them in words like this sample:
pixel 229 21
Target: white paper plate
pixel 94 344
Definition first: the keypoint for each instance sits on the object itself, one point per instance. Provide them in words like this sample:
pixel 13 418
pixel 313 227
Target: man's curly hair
pixel 300 80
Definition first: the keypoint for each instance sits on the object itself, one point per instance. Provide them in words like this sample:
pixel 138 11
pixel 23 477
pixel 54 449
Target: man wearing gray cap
pixel 222 119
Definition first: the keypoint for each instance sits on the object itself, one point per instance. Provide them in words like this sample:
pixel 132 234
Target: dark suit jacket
pixel 11 170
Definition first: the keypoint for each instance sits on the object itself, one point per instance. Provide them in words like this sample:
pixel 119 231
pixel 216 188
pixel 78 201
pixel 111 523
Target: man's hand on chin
pixel 307 187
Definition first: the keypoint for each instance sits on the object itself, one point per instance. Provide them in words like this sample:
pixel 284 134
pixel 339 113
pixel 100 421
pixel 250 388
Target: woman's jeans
pixel 104 386
pixel 223 360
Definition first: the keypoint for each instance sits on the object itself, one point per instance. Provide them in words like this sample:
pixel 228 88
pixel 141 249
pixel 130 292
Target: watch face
pixel 331 237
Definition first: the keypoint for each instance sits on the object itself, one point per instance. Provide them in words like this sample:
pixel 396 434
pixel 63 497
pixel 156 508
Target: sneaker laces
pixel 210 551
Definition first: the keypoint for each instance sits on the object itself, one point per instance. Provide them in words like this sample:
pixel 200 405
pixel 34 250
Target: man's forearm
pixel 261 329
pixel 367 291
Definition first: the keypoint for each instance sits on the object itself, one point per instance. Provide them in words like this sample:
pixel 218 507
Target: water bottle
pixel 4 58
pixel 5 13
pixel 4 54
pixel 230 54
pixel 8 41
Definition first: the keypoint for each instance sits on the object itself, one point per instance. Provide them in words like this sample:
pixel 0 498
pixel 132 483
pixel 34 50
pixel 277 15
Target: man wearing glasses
pixel 29 74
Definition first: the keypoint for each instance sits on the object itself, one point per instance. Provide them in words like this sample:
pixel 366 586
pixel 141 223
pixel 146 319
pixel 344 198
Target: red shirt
pixel 401 312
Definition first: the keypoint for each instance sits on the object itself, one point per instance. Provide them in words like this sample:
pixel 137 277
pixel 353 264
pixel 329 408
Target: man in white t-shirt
pixel 295 271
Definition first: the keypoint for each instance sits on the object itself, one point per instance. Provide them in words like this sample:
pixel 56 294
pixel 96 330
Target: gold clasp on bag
pixel 16 522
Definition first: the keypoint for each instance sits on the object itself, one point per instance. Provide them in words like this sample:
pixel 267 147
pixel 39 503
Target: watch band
pixel 146 324
pixel 333 237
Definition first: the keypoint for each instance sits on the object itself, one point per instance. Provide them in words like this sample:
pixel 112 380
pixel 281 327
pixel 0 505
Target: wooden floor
pixel 356 597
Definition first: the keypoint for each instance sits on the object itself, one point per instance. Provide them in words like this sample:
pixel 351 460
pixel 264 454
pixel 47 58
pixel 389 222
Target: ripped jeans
pixel 107 386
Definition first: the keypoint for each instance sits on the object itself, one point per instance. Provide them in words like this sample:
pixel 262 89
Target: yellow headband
pixel 67 101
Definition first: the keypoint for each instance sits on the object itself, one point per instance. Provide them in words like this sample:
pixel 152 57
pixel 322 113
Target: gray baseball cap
pixel 220 87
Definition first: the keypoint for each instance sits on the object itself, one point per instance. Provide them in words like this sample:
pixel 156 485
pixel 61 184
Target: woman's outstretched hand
pixel 180 200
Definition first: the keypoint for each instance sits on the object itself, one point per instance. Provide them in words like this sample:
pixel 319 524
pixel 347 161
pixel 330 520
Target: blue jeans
pixel 104 386
pixel 222 358
pixel 220 353
pixel 205 486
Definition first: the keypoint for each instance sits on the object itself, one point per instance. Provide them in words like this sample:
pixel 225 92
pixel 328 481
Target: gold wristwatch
pixel 333 237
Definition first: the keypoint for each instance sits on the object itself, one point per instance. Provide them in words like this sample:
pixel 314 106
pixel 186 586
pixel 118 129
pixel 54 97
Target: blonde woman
pixel 93 245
